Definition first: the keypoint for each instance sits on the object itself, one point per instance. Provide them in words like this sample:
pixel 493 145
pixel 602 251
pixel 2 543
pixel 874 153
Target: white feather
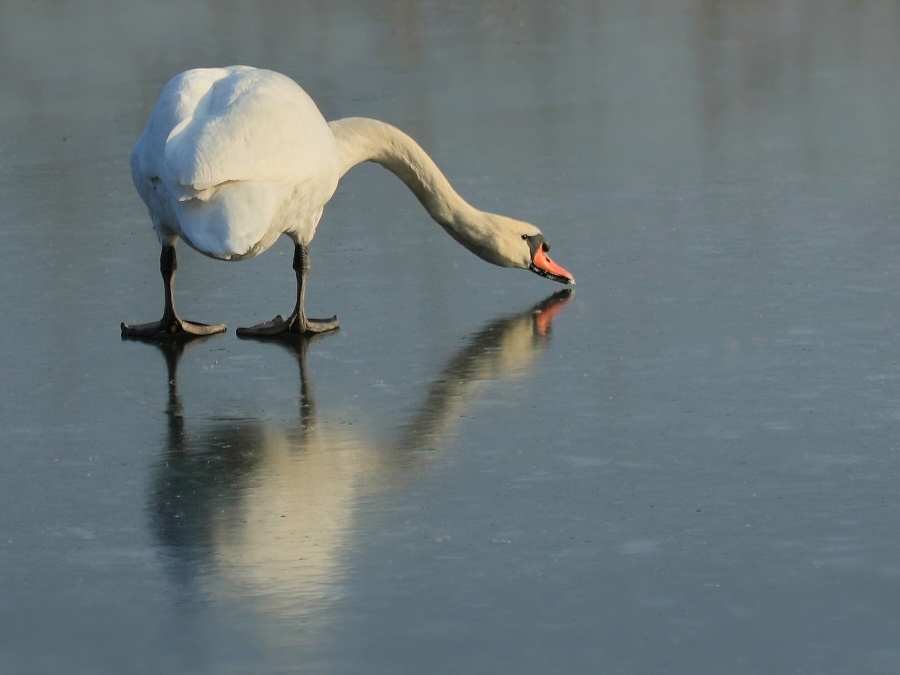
pixel 233 157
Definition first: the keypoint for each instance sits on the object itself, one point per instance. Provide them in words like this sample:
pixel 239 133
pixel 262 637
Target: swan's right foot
pixel 295 325
pixel 171 328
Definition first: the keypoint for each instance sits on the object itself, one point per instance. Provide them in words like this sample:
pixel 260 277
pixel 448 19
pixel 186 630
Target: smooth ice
pixel 689 465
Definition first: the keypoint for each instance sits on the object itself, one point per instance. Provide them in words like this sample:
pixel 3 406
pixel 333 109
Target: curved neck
pixel 360 139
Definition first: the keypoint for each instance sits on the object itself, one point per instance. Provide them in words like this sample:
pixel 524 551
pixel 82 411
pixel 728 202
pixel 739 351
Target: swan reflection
pixel 261 513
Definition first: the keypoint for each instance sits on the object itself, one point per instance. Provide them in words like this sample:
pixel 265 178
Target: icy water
pixel 690 465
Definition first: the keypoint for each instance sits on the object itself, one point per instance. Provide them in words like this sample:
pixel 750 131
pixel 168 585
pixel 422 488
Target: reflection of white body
pixel 283 547
pixel 278 511
pixel 232 158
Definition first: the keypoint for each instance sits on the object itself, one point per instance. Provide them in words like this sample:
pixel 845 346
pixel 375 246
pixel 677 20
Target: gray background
pixel 694 472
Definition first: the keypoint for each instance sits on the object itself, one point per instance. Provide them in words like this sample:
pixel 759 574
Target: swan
pixel 232 158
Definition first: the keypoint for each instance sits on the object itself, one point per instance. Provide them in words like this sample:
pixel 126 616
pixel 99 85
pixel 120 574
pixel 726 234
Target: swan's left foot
pixel 295 325
pixel 171 328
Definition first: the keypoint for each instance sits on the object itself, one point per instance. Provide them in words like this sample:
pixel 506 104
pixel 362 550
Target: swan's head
pixel 541 263
pixel 506 242
pixel 521 244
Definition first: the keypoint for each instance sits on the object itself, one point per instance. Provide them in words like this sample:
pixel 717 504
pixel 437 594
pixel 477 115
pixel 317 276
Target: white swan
pixel 232 158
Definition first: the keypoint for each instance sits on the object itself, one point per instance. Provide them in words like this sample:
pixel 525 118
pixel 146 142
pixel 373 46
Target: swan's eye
pixel 535 243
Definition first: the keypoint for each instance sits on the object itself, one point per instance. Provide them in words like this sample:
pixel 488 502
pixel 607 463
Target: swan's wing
pixel 230 154
pixel 175 107
pixel 247 125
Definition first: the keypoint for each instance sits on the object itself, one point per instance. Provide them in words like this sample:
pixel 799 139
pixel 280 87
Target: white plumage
pixel 232 158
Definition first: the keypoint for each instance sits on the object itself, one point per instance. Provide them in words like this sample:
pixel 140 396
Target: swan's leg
pixel 297 323
pixel 302 323
pixel 170 325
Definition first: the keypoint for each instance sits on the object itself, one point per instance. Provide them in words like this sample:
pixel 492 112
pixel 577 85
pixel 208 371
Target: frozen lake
pixel 689 465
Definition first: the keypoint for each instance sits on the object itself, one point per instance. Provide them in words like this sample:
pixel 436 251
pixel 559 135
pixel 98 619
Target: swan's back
pixel 233 157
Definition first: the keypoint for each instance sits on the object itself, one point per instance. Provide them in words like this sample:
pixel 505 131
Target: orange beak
pixel 541 264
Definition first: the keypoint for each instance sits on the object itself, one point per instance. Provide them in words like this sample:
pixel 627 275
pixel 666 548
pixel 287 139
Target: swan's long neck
pixel 366 140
